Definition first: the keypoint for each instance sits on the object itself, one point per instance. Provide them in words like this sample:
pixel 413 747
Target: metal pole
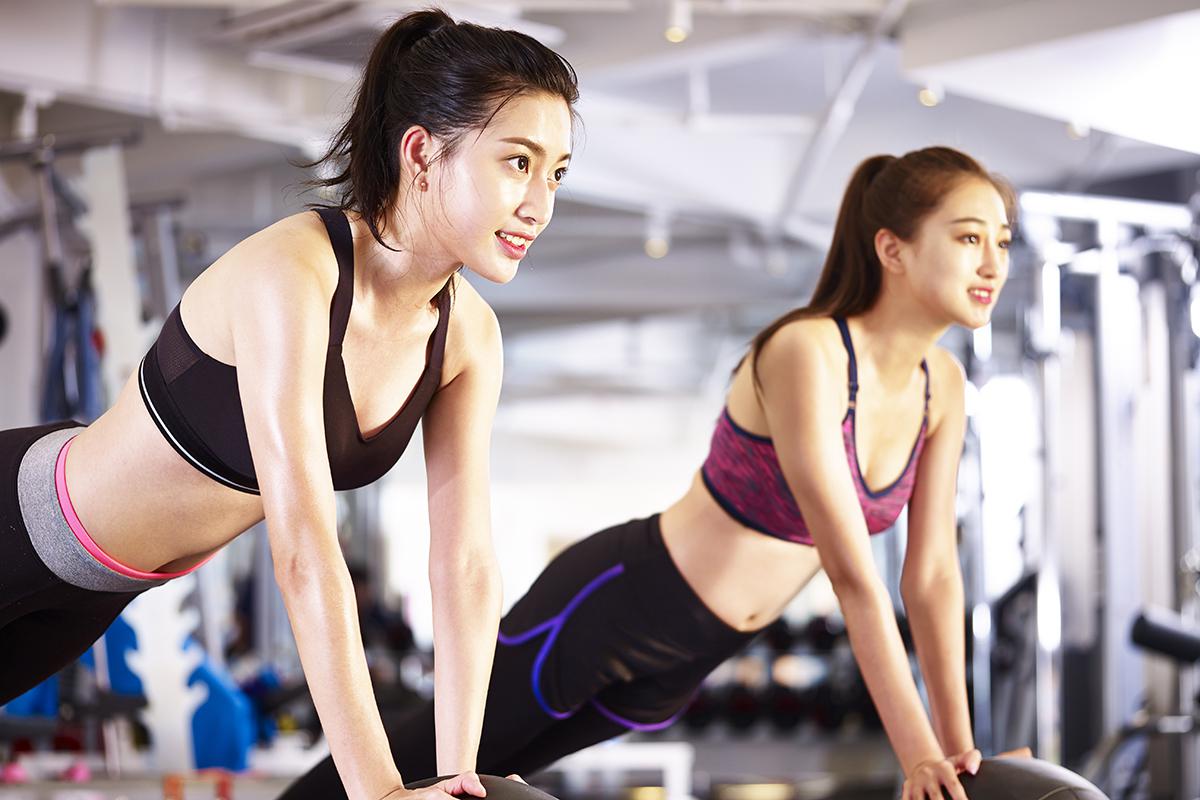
pixel 1180 278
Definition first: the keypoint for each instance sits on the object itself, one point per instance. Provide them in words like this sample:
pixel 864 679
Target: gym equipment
pixel 497 788
pixel 742 708
pixel 1027 779
pixel 1162 632
pixel 72 384
pixel 785 708
pixel 702 711
pixel 779 637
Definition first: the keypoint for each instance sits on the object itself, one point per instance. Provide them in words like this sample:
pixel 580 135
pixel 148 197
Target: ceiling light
pixel 658 234
pixel 679 21
pixel 930 95
pixel 1078 130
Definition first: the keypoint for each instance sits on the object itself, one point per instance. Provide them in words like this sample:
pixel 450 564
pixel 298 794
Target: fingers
pixel 948 778
pixel 973 760
pixel 517 778
pixel 474 785
pixel 466 783
pixel 435 792
pixel 928 781
pixel 1020 752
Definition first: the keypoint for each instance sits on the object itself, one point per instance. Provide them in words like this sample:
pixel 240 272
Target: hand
pixel 967 762
pixel 467 783
pixel 929 778
pixel 1020 752
pixel 517 778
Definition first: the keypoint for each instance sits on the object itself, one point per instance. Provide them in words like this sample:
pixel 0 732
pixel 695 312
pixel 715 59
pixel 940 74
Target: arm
pixel 804 402
pixel 932 584
pixel 280 326
pixel 463 574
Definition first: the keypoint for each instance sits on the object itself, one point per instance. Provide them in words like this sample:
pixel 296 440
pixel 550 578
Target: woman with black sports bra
pixel 299 363
pixel 843 412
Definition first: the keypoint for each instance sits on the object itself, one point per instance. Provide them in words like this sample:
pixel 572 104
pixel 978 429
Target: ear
pixel 416 153
pixel 888 247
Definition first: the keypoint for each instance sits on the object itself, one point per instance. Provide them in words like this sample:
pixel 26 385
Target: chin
pixel 497 273
pixel 975 321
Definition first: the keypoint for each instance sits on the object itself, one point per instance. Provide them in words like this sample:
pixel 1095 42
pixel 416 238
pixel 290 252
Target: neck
pixel 895 338
pixel 407 276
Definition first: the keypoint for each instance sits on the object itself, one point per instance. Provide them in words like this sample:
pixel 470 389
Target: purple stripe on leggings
pixel 554 625
pixel 638 726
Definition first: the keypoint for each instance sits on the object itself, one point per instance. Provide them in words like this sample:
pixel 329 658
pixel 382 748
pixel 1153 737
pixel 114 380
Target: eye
pixel 520 162
pixel 559 174
pixel 1007 243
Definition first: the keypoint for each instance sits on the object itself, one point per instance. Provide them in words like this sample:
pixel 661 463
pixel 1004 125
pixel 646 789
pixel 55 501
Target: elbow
pixel 290 570
pixel 476 578
pixel 935 585
pixel 300 574
pixel 854 590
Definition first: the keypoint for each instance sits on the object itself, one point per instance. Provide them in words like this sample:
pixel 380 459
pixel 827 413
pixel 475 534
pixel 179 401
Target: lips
pixel 982 294
pixel 514 244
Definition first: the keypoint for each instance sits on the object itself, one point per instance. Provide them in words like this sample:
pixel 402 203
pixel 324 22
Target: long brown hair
pixel 884 192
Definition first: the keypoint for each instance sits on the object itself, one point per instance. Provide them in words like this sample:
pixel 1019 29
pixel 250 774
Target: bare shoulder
pixel 295 247
pixel 947 385
pixel 473 335
pixel 287 269
pixel 808 348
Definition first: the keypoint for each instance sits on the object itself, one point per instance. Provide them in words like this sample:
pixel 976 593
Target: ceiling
pixel 737 142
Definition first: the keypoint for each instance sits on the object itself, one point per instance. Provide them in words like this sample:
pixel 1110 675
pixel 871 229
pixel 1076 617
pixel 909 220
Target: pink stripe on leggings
pixel 76 526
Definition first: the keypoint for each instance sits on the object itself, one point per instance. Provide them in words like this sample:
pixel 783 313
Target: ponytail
pixel 885 192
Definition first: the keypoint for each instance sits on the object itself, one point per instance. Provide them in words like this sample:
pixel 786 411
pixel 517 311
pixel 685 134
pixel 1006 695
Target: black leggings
pixel 45 622
pixel 610 638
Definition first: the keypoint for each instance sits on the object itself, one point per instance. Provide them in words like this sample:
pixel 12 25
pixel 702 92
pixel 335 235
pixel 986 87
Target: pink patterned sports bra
pixel 742 473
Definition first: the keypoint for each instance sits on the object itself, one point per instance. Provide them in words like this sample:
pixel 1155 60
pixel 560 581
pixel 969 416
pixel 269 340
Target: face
pixel 957 262
pixel 495 194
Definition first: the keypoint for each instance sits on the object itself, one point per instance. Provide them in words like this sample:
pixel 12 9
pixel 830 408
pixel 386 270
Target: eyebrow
pixel 537 149
pixel 976 220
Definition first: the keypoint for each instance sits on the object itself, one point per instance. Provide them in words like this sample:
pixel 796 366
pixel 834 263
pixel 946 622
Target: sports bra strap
pixel 343 296
pixel 442 298
pixel 925 368
pixel 852 367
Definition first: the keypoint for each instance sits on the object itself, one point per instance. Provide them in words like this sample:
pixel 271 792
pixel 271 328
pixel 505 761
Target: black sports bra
pixel 194 399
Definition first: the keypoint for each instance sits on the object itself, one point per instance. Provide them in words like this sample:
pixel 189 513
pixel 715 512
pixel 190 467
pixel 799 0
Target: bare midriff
pixel 141 502
pixel 743 576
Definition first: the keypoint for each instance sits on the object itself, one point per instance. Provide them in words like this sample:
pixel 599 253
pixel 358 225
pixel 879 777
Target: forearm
pixel 466 617
pixel 935 614
pixel 870 623
pixel 320 604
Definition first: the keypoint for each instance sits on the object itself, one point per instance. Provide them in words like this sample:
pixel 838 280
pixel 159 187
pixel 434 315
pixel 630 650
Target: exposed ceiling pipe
pixel 837 113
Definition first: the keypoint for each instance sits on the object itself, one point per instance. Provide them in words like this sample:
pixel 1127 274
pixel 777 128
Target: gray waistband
pixel 52 538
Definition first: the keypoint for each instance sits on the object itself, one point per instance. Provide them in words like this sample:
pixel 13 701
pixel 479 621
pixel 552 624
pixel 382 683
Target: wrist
pixel 954 743
pixel 389 786
pixel 916 760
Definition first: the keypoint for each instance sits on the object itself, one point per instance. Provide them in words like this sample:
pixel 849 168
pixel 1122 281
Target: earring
pixel 424 185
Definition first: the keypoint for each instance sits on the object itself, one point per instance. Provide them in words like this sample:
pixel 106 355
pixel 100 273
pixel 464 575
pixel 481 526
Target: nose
pixel 538 205
pixel 993 263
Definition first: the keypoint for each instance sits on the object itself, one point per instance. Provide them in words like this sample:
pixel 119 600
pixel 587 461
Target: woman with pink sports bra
pixel 841 413
pixel 300 363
